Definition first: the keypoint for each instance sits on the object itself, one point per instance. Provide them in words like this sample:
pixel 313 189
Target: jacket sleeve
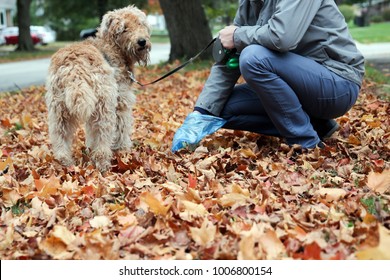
pixel 285 28
pixel 217 88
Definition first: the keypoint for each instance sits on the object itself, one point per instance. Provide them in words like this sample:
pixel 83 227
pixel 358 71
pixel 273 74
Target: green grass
pixel 376 76
pixel 8 53
pixel 382 80
pixel 159 38
pixel 374 33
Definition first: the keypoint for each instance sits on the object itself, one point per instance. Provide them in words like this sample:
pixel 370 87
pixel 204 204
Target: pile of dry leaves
pixel 239 195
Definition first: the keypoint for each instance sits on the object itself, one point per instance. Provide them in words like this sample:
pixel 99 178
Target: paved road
pixel 17 75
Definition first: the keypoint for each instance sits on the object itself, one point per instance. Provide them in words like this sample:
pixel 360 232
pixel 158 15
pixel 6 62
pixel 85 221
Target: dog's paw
pixel 64 160
pixel 102 159
pixel 103 166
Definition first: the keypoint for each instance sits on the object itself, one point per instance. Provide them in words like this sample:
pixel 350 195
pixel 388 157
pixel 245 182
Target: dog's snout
pixel 141 42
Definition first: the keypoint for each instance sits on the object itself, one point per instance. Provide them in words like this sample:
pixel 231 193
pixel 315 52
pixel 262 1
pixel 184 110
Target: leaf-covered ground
pixel 239 195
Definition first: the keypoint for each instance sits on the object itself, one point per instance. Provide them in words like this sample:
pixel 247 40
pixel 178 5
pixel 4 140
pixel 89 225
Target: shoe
pixel 325 128
pixel 195 127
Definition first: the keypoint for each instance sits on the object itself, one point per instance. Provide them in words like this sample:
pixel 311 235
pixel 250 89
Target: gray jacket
pixel 312 28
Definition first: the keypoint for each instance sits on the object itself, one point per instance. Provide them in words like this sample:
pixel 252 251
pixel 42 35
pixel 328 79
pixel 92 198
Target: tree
pixel 366 11
pixel 188 28
pixel 222 11
pixel 25 42
pixel 70 16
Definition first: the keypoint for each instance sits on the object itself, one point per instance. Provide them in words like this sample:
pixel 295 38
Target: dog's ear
pixel 112 24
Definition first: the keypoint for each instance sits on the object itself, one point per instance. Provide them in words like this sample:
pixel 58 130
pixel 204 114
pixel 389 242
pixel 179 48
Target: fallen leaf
pixel 380 252
pixel 272 245
pixel 312 252
pixel 46 187
pixel 63 234
pixel 10 197
pixel 332 194
pixel 5 165
pixel 154 204
pixel 379 182
pixel 204 235
pixel 100 221
pixel 247 249
pixel 192 210
pixel 192 181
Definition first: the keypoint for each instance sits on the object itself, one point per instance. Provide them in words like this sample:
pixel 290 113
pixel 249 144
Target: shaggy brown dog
pixel 89 83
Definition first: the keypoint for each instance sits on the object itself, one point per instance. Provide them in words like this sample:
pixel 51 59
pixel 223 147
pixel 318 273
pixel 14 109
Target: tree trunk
pixel 188 28
pixel 25 41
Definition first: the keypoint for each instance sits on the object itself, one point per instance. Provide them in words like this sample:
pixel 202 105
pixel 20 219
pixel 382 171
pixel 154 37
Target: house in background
pixel 7 12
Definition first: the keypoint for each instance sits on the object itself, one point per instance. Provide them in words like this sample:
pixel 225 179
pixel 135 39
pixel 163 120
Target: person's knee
pixel 253 60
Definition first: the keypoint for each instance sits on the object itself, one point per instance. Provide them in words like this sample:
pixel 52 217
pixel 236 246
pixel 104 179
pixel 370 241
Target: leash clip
pixel 131 75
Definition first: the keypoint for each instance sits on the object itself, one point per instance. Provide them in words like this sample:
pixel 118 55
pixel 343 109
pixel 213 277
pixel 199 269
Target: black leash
pixel 174 70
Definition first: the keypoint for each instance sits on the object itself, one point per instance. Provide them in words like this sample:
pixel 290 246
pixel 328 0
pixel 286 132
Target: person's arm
pixel 219 84
pixel 217 88
pixel 284 29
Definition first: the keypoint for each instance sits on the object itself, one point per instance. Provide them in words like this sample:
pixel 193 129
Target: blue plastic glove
pixel 195 127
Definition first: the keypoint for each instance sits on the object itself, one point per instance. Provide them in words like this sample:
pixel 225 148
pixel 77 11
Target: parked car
pixel 39 34
pixel 45 33
pixel 85 33
pixel 2 39
pixel 11 36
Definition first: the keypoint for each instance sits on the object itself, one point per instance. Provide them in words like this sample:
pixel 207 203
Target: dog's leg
pixel 100 133
pixel 124 124
pixel 61 132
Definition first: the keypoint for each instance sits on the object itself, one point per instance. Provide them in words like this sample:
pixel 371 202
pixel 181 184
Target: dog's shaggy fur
pixel 88 82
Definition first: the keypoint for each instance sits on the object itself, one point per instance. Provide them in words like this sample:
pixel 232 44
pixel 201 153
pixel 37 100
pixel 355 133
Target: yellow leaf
pixel 154 204
pixel 307 165
pixel 47 187
pixel 374 124
pixel 332 194
pixel 237 189
pixel 153 143
pixel 63 234
pixel 55 248
pixel 204 235
pixel 371 121
pixel 5 165
pixel 26 120
pixel 367 118
pixel 379 182
pixel 381 252
pixel 247 153
pixel 272 245
pixel 354 140
pixel 10 197
pixel 192 210
pixel 231 199
pixel 247 248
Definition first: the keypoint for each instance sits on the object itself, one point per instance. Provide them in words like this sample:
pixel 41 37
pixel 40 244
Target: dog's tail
pixel 80 99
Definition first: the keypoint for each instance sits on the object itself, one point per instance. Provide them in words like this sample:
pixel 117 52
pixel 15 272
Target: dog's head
pixel 129 29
